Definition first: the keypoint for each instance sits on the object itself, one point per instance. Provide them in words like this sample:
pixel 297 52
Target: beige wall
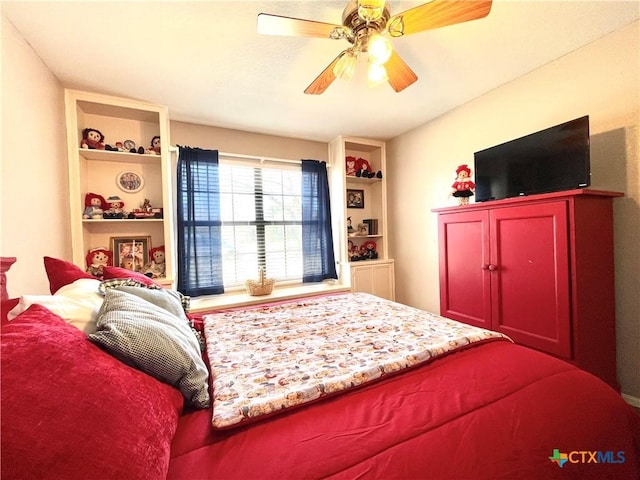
pixel 34 200
pixel 245 143
pixel 601 80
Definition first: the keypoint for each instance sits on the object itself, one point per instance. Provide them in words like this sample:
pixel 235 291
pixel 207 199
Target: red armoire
pixel 538 269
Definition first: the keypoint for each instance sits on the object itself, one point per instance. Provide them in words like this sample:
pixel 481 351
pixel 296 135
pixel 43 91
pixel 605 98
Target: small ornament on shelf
pixel 146 211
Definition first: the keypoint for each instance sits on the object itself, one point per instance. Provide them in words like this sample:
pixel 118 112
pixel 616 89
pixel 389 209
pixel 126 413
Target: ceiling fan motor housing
pixel 359 27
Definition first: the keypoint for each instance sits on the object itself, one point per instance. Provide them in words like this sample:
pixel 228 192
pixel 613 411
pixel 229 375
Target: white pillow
pixel 77 303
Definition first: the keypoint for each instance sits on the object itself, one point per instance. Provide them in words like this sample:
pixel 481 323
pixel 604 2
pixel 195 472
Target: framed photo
pixel 130 252
pixel 355 198
pixel 130 182
pixel 363 230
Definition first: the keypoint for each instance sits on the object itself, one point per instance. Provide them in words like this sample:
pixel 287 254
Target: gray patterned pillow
pixel 152 339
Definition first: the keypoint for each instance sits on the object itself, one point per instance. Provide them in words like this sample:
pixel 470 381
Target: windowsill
pixel 241 299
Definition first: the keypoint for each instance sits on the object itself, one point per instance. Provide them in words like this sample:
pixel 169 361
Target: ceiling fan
pixel 365 24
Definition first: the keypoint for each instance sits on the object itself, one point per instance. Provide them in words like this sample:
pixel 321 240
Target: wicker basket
pixel 264 286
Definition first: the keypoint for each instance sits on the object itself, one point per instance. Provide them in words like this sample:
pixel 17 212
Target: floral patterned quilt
pixel 269 358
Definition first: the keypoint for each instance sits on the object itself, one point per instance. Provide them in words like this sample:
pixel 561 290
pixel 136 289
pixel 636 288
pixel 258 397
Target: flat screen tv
pixel 551 160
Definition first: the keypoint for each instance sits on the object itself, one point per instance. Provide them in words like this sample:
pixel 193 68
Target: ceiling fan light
pixel 379 49
pixel 377 74
pixel 370 10
pixel 346 66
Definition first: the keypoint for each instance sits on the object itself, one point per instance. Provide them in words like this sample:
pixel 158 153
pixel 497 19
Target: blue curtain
pixel 317 239
pixel 199 222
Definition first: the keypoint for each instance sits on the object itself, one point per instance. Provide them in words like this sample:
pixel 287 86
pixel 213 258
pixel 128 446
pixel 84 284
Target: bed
pixel 473 406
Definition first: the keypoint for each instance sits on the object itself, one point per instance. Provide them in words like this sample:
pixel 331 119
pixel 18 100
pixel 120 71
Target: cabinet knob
pixel 492 267
pixel 485 266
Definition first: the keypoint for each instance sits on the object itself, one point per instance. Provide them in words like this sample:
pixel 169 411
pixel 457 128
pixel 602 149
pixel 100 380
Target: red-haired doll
pixel 94 206
pixel 156 266
pixel 97 259
pixel 463 187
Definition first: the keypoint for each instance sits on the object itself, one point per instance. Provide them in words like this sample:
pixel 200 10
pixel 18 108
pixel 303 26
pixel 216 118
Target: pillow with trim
pixel 152 339
pixel 130 282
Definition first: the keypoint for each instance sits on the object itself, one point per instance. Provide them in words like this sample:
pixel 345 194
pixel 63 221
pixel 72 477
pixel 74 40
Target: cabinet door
pixel 464 257
pixel 530 284
pixel 376 279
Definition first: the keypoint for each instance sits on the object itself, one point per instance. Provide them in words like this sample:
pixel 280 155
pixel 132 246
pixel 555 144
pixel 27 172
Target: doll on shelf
pixel 94 206
pixel 157 264
pixel 463 187
pixel 92 139
pixel 97 259
pixel 116 208
pixel 369 250
pixel 155 145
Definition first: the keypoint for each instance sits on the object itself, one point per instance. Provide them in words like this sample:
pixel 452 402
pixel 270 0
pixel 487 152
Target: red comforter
pixel 496 410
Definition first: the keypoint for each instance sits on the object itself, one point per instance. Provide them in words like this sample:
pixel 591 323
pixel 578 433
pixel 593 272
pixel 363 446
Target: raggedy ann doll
pixel 94 206
pixel 463 187
pixel 157 266
pixel 97 259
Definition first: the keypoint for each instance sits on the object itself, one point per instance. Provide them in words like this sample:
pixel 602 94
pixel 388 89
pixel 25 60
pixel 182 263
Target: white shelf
pixel 372 276
pixel 113 156
pixel 121 220
pixel 96 171
pixel 354 179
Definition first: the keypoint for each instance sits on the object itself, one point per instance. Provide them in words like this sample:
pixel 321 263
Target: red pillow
pixel 72 411
pixel 61 273
pixel 119 272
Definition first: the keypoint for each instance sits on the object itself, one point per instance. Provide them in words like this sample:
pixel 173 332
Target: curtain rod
pixel 252 157
pixel 261 159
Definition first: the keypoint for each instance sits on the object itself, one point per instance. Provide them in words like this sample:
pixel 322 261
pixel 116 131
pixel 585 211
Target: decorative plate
pixel 130 182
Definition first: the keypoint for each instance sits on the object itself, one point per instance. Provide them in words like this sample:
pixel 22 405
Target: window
pixel 235 217
pixel 261 213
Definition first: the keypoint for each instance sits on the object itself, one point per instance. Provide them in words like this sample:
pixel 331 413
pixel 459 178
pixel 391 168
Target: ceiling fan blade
pixel 326 78
pixel 399 74
pixel 436 14
pixel 277 25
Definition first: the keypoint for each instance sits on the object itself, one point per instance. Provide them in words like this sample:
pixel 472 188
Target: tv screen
pixel 551 160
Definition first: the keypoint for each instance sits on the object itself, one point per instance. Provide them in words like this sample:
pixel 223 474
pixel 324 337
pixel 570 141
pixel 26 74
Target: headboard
pixel 5 265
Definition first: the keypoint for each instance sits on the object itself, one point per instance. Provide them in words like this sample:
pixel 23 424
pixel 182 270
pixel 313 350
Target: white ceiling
pixel 205 61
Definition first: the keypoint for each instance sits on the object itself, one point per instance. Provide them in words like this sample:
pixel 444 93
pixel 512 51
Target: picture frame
pixel 363 230
pixel 130 181
pixel 131 253
pixel 355 198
